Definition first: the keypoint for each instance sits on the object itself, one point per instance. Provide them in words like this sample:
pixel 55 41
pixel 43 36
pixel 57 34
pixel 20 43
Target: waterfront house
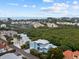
pixel 41 45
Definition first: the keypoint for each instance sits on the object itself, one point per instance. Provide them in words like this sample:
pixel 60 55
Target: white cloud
pixel 0 10
pixel 25 5
pixel 29 6
pixel 13 4
pixel 47 1
pixel 33 6
pixel 64 9
pixel 60 6
pixel 67 1
pixel 75 5
pixel 3 13
pixel 75 2
pixel 57 7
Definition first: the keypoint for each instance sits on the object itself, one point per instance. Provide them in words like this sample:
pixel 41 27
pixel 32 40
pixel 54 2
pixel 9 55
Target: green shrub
pixel 24 46
pixel 34 52
pixel 43 56
pixel 24 58
pixel 38 54
pixel 55 53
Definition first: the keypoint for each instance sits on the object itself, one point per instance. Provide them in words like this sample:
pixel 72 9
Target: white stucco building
pixel 37 24
pixel 41 45
pixel 8 32
pixel 50 25
pixel 23 40
pixel 3 26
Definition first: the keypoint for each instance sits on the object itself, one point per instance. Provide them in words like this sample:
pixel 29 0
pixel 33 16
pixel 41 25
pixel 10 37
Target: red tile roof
pixel 70 54
pixel 2 46
pixel 76 53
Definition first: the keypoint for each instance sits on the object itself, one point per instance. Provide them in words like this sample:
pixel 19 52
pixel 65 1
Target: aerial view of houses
pixel 39 29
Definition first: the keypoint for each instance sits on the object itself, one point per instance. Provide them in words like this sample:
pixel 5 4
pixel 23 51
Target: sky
pixel 39 8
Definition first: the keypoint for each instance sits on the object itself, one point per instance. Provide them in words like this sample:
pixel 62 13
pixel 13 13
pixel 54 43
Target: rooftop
pixel 2 46
pixel 43 41
pixel 50 45
pixel 70 54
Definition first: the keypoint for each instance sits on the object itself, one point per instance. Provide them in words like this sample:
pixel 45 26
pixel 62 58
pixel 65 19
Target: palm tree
pixel 19 38
pixel 9 39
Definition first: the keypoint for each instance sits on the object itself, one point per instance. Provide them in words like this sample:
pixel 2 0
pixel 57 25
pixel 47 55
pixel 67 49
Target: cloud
pixel 13 4
pixel 47 1
pixel 68 2
pixel 75 5
pixel 0 10
pixel 3 13
pixel 33 6
pixel 25 5
pixel 75 2
pixel 29 6
pixel 56 8
pixel 63 9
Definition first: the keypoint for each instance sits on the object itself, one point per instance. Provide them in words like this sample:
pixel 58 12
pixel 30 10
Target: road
pixel 27 55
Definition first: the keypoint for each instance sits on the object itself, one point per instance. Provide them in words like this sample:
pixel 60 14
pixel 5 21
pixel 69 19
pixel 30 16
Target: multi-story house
pixel 41 45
